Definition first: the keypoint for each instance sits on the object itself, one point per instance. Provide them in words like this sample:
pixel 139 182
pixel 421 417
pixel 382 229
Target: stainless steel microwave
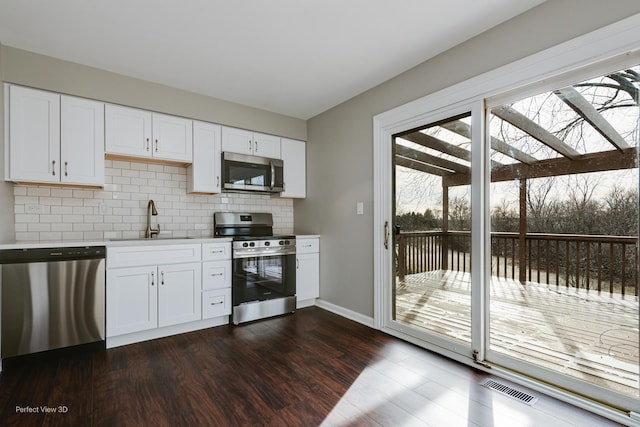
pixel 241 172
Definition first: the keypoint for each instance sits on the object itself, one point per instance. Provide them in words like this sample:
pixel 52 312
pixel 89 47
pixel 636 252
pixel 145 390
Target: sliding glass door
pixel 432 233
pixel 564 236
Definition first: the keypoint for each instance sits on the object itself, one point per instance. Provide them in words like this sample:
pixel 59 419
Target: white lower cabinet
pixel 154 289
pixel 307 271
pixel 141 298
pixel 216 280
pixel 179 294
pixel 216 303
pixel 132 300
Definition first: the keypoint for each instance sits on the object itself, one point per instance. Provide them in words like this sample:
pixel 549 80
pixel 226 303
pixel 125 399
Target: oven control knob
pixel 252 244
pixel 281 242
pixel 267 243
pixel 286 242
pixel 245 244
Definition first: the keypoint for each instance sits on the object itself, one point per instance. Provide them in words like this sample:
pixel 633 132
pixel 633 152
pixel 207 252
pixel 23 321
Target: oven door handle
pixel 238 255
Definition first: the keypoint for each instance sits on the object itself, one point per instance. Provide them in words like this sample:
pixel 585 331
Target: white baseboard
pixel 306 303
pixel 152 334
pixel 345 312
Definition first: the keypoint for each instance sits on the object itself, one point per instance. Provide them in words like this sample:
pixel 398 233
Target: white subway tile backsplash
pixel 51 213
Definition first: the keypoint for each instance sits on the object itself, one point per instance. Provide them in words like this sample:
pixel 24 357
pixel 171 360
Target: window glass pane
pixel 564 231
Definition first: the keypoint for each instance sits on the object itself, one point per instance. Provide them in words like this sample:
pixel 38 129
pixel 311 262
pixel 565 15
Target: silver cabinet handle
pixel 217 251
pixel 156 145
pixel 297 263
pixel 218 181
pixel 255 146
pixel 66 171
pixel 250 146
pixel 53 167
pixel 147 144
pixel 153 278
pixel 162 280
pixel 216 303
pixel 217 274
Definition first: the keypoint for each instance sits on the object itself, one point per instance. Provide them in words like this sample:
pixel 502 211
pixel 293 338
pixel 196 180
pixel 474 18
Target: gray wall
pixel 340 150
pixel 39 71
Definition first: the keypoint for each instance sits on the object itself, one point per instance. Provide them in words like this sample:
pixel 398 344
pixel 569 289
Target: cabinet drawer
pixel 216 274
pixel 216 251
pixel 307 246
pixel 216 303
pixel 130 256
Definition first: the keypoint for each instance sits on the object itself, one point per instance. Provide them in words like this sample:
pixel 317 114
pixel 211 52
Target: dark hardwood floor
pixel 306 369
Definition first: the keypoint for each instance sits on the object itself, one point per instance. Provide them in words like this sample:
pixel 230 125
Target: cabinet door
pixel 307 276
pixel 34 135
pixel 179 299
pixel 237 140
pixel 295 172
pixel 172 138
pixel 266 145
pixel 81 141
pixel 203 176
pixel 132 300
pixel 127 131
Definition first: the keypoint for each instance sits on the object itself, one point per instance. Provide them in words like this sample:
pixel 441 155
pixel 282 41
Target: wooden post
pixel 402 262
pixel 445 227
pixel 522 233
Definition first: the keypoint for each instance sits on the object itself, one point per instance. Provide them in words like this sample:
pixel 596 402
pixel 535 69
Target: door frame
pixel 616 45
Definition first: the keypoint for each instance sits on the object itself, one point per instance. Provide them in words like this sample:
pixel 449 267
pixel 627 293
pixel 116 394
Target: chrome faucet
pixel 151 210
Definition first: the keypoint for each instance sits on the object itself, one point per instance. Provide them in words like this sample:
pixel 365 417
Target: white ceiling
pixel 295 57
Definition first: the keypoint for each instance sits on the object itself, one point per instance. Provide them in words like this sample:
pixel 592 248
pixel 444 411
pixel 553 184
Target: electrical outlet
pixel 103 208
pixel 33 209
pixel 360 208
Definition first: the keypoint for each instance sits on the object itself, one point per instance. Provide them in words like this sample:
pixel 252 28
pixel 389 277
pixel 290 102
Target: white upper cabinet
pixel 33 149
pixel 82 141
pixel 250 143
pixel 139 133
pixel 172 138
pixel 127 131
pixel 203 176
pixel 53 139
pixel 294 159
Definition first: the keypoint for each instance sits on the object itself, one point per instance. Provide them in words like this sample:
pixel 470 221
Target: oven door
pixel 263 277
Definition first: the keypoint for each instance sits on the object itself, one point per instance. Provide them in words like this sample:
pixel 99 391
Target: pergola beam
pixel 422 167
pixel 588 112
pixel 442 146
pixel 536 131
pixel 412 154
pixel 592 162
pixel 463 129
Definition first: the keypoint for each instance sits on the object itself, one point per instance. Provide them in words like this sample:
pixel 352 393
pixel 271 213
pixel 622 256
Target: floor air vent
pixel 510 391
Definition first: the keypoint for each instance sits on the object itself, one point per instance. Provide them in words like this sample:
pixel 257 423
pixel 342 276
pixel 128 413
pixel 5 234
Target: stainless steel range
pixel 264 266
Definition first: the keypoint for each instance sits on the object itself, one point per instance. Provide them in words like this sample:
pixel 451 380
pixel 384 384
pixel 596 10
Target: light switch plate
pixel 360 208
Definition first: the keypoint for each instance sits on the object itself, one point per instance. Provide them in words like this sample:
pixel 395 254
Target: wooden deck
pixel 582 334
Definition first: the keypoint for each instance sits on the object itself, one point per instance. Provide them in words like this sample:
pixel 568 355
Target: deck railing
pixel 600 263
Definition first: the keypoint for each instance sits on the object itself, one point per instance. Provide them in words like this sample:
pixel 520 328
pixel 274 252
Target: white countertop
pixel 125 242
pixel 112 243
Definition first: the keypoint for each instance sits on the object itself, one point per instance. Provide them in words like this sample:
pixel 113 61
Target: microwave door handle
pixel 273 174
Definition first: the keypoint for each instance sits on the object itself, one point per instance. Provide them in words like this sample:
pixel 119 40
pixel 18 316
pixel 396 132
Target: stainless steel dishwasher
pixel 51 298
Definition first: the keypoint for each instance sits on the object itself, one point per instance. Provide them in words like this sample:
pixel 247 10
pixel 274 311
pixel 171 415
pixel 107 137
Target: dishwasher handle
pixel 53 254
